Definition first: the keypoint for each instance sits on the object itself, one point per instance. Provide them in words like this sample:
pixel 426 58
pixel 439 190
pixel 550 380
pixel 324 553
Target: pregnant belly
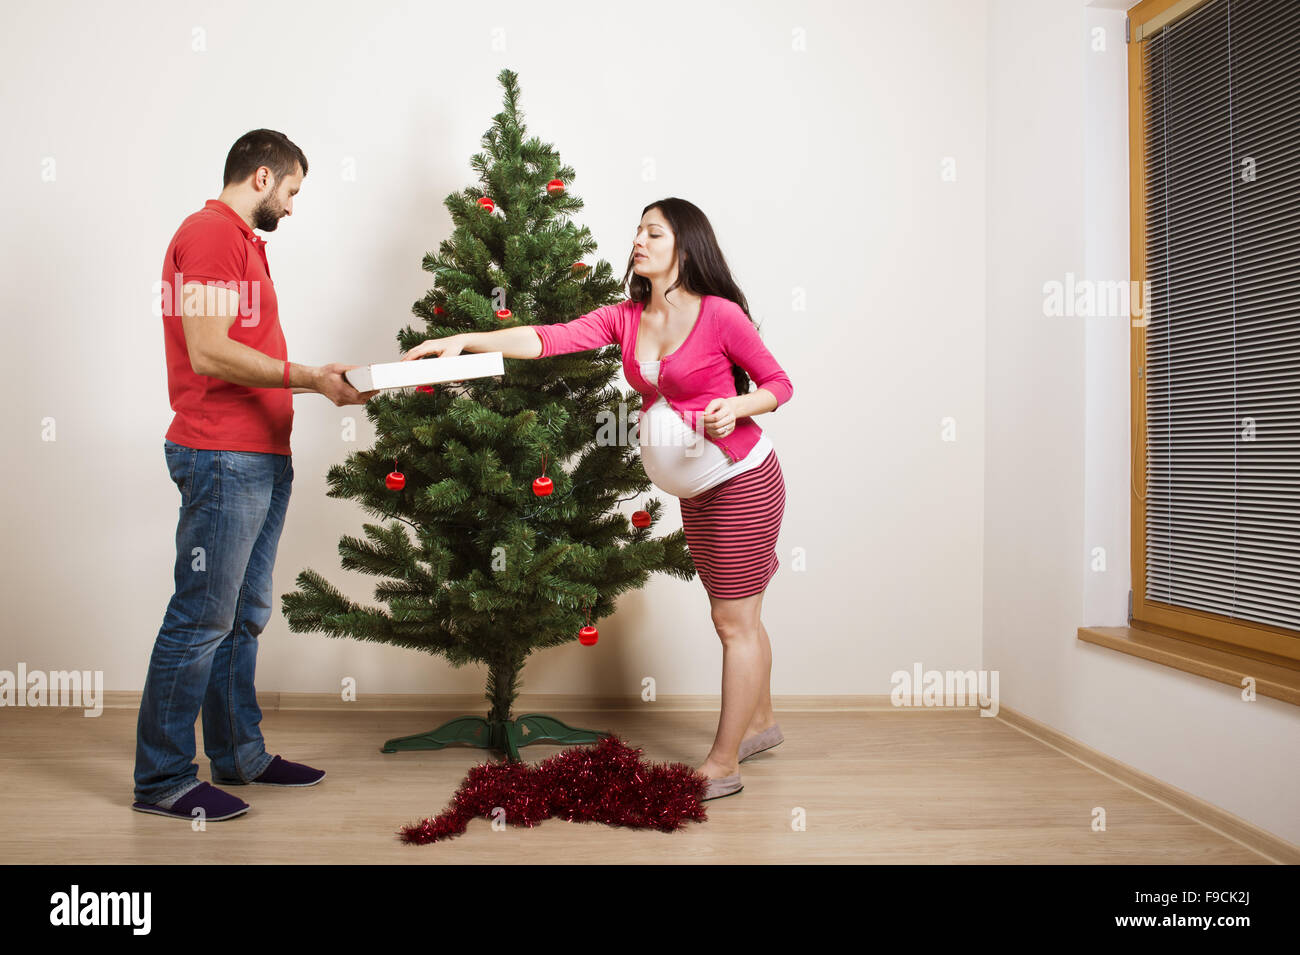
pixel 676 458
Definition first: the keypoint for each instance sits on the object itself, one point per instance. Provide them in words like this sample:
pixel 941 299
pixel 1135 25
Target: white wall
pixel 1105 207
pixel 1057 451
pixel 819 169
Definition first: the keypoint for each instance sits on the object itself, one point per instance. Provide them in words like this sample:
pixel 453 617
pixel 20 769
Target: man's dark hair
pixel 263 147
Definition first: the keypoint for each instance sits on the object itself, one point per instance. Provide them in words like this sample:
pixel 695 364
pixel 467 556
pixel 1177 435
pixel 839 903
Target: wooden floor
pixel 877 787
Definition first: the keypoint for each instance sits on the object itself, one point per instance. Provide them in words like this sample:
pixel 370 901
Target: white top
pixel 678 460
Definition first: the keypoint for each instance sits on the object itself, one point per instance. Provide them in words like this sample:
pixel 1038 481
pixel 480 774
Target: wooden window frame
pixel 1211 645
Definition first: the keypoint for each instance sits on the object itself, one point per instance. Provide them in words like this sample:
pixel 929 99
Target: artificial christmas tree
pixel 491 570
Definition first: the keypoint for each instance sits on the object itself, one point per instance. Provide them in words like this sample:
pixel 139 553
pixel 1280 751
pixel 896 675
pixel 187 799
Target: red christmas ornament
pixel 487 203
pixel 578 266
pixel 641 519
pixel 439 310
pixel 396 480
pixel 503 314
pixel 555 187
pixel 427 389
pixel 587 635
pixel 542 486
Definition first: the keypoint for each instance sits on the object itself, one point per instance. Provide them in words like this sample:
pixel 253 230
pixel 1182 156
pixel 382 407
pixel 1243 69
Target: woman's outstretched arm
pixel 592 330
pixel 518 342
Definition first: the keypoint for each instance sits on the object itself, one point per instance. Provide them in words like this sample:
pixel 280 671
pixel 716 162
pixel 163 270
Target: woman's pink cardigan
pixel 698 371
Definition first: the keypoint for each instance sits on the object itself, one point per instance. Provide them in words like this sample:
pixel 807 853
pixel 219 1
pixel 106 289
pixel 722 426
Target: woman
pixel 686 337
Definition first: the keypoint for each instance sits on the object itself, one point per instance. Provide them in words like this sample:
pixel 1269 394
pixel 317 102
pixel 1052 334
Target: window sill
pixel 1274 676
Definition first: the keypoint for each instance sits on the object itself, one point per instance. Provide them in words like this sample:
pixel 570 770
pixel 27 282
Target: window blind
pixel 1221 91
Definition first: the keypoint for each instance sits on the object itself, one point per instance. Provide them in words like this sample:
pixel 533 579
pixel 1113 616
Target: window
pixel 1214 144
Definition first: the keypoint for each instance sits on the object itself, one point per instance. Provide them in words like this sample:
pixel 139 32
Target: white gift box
pixel 425 371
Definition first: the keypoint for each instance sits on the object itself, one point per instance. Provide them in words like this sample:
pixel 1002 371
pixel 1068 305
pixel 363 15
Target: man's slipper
pixel 281 772
pixel 216 805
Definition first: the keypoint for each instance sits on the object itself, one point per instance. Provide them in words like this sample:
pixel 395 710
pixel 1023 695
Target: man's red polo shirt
pixel 216 246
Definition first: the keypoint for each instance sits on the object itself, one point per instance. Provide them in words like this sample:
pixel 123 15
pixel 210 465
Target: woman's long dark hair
pixel 701 268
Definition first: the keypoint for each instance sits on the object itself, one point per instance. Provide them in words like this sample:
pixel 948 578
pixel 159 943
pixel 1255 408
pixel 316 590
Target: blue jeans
pixel 232 511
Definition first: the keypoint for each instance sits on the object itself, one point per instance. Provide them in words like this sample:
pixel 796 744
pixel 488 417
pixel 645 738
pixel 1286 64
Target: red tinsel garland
pixel 608 782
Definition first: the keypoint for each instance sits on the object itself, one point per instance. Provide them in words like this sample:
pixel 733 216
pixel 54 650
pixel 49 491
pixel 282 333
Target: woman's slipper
pixel 725 786
pixel 760 742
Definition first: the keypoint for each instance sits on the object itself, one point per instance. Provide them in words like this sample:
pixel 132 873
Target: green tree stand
pixel 504 736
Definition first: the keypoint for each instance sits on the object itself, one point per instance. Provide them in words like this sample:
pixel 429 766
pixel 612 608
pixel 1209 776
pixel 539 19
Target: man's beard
pixel 266 215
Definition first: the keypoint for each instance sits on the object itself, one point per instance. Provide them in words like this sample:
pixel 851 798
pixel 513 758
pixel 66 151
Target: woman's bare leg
pixel 763 717
pixel 745 669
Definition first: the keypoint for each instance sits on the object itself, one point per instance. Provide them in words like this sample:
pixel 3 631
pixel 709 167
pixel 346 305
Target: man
pixel 231 386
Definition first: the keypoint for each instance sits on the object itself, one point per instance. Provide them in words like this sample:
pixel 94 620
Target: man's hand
pixel 331 383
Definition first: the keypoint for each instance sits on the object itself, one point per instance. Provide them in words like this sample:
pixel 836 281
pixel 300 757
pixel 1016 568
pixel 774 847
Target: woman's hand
pixel 439 347
pixel 720 417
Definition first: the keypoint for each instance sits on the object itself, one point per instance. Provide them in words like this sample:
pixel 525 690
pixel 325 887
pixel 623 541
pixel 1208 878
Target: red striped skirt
pixel 731 530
